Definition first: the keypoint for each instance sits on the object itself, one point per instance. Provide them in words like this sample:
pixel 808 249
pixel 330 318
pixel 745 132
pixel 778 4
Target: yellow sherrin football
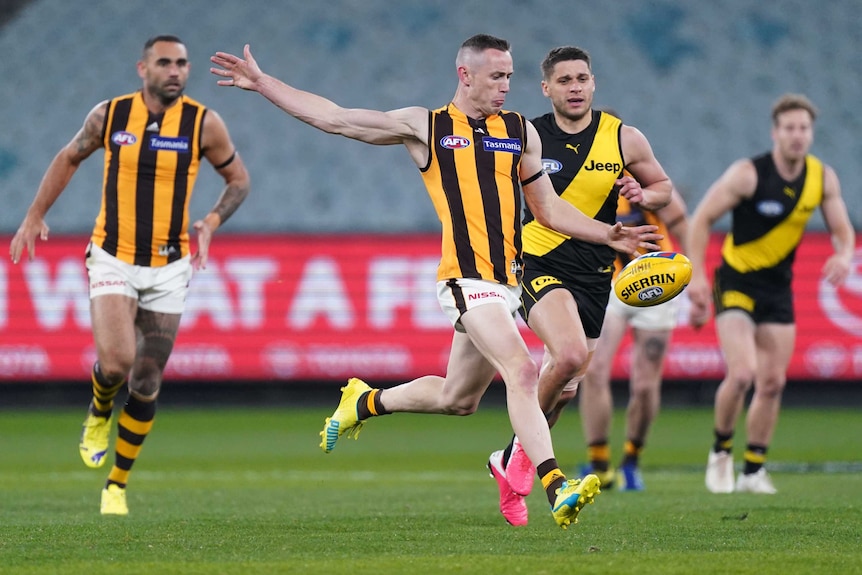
pixel 653 278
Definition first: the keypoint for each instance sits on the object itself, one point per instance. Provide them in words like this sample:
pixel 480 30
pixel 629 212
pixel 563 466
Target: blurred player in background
pixel 475 158
pixel 138 259
pixel 651 333
pixel 770 198
pixel 592 159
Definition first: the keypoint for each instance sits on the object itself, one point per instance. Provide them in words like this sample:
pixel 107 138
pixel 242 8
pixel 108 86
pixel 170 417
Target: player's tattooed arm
pixel 233 195
pixel 89 137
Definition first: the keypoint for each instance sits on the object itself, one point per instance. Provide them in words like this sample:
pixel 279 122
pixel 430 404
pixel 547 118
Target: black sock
pixel 754 457
pixel 507 453
pixel 723 442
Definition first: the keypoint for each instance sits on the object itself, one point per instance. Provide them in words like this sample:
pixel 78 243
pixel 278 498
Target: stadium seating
pixel 698 80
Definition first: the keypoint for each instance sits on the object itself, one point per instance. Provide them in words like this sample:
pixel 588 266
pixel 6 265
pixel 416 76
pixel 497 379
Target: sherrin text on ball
pixel 653 278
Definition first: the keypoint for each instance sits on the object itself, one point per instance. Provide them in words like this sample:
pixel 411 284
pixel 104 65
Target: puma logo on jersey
pixel 573 148
pixel 790 192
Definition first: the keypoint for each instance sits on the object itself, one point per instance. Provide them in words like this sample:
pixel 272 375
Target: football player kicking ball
pixel 477 162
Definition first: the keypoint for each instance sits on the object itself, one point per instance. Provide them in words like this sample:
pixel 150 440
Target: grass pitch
pixel 248 491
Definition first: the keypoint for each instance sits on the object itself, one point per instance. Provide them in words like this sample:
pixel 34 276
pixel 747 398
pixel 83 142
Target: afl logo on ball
pixel 650 294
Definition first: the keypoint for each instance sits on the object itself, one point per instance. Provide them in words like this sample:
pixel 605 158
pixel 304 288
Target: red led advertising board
pixel 289 307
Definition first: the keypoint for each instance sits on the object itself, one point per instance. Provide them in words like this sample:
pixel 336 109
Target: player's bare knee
pixel 115 369
pixel 641 393
pixel 461 406
pixel 741 380
pixel 523 377
pixel 771 386
pixel 570 362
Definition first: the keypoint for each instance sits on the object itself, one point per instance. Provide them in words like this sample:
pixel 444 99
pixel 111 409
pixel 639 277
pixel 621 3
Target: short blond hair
pixel 789 102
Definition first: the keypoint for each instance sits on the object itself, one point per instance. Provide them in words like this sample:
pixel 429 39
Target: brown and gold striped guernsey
pixel 472 178
pixel 151 164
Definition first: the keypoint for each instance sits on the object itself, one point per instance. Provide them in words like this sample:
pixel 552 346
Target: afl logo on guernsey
pixel 770 208
pixel 551 166
pixel 454 142
pixel 124 138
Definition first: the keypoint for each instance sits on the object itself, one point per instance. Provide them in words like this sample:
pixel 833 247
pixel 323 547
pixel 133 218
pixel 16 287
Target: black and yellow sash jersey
pixel 767 228
pixel 151 164
pixel 583 168
pixel 634 215
pixel 472 178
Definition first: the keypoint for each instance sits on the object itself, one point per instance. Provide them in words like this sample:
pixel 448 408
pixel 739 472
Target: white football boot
pixel 758 482
pixel 719 472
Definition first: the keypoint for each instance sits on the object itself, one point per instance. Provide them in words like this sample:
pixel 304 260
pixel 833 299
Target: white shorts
pixel 161 289
pixel 456 296
pixel 657 317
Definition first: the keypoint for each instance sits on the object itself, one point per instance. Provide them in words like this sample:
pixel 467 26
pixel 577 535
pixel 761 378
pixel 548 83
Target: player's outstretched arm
pixel 370 126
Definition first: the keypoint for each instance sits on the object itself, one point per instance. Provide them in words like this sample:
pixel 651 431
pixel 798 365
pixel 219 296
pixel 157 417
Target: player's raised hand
pixel 236 71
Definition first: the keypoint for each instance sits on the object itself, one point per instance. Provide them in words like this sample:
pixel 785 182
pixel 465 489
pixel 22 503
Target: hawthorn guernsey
pixel 653 278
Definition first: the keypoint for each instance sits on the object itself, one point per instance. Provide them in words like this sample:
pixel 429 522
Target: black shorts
pixel 591 295
pixel 765 301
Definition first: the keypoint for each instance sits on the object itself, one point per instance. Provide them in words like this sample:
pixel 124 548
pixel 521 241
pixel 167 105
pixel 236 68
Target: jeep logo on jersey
pixel 511 145
pixel 614 167
pixel 770 208
pixel 123 138
pixel 454 142
pixel 551 166
pixel 164 143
